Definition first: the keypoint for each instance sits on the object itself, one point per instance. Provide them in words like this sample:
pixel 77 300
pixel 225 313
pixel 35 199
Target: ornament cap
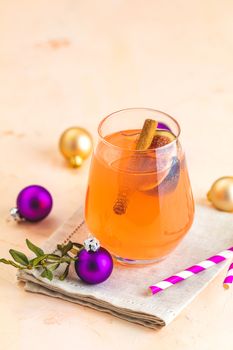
pixel 14 212
pixel 91 244
pixel 76 161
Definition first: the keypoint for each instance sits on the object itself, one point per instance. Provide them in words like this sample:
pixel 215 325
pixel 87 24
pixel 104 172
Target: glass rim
pixel 99 129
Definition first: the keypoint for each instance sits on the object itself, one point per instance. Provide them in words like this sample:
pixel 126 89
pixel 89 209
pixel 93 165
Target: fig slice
pixel 162 138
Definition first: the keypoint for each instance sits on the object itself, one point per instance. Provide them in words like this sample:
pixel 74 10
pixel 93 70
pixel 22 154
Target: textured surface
pixel 68 62
pixel 125 294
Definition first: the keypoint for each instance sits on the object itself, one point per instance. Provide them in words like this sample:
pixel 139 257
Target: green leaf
pixel 66 259
pixel 19 257
pixel 47 274
pixel 59 247
pixel 36 250
pixel 5 261
pixel 36 261
pixel 53 266
pixel 53 257
pixel 65 273
pixel 10 262
pixel 66 248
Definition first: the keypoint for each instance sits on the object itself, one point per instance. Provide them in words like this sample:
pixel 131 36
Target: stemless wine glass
pixel 139 204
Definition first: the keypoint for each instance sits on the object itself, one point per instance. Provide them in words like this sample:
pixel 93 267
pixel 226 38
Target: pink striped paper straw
pixel 191 271
pixel 229 277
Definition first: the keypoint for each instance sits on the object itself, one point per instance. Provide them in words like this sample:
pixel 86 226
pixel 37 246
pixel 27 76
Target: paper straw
pixel 191 271
pixel 229 277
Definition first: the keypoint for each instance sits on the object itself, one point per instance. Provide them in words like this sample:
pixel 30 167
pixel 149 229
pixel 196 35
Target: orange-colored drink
pixel 152 187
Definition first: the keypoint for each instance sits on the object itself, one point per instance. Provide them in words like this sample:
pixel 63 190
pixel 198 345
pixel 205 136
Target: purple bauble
pixel 163 126
pixel 34 203
pixel 94 267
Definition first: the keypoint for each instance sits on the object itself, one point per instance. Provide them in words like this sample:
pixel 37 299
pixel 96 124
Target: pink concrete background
pixel 70 62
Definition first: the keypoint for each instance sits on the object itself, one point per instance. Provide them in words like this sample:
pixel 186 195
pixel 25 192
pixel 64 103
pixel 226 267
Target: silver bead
pixel 91 244
pixel 14 212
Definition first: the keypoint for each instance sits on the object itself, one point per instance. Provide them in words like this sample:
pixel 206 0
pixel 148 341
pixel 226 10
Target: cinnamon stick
pixel 147 134
pixel 143 143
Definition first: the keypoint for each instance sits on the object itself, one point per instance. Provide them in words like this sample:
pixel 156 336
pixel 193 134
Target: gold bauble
pixel 76 145
pixel 221 193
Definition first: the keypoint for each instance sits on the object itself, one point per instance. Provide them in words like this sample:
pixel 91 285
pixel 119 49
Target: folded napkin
pixel 124 294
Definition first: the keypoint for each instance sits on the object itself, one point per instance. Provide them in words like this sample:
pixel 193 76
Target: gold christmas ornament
pixel 221 194
pixel 76 145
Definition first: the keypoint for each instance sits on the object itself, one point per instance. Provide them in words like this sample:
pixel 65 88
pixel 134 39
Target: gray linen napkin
pixel 124 294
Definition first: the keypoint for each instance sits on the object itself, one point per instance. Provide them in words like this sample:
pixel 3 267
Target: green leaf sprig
pixel 48 263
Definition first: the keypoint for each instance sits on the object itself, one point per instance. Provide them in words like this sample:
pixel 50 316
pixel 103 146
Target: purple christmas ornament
pixel 34 203
pixel 94 264
pixel 163 126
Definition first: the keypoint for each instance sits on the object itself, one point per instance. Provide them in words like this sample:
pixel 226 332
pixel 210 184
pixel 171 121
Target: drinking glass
pixel 139 204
